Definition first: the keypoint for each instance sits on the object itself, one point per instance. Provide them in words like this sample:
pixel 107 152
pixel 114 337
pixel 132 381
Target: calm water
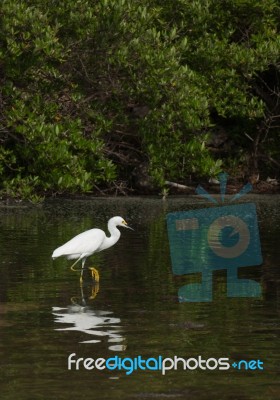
pixel 46 315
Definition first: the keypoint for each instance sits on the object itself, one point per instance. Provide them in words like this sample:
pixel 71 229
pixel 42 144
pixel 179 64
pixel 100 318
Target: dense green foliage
pixel 90 89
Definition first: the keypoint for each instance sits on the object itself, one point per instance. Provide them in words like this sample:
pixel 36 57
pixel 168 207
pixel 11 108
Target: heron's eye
pixel 124 223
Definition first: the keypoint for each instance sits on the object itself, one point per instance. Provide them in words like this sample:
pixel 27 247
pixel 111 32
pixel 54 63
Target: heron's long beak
pixel 126 226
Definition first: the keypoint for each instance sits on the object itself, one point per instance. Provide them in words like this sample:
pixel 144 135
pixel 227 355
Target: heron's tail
pixel 57 253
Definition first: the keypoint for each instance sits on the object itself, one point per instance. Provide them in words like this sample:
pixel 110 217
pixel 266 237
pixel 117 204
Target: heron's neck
pixel 115 235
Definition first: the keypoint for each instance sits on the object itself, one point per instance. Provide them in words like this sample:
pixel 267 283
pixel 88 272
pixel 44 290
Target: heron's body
pixel 84 245
pixel 89 242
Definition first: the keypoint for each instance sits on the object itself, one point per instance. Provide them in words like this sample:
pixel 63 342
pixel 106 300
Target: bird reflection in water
pixel 96 323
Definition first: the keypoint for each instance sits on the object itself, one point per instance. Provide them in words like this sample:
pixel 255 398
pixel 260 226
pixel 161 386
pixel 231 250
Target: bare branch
pixel 178 185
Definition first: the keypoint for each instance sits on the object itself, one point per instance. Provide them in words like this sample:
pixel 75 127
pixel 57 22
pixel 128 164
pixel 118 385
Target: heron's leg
pixel 82 271
pixel 73 265
pixel 94 274
pixel 94 291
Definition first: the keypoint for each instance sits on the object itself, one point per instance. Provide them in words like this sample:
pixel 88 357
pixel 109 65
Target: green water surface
pixel 45 315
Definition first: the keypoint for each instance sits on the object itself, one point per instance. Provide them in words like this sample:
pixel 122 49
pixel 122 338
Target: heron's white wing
pixel 85 243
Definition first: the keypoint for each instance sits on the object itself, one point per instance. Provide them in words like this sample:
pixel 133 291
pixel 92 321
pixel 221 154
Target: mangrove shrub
pixel 91 89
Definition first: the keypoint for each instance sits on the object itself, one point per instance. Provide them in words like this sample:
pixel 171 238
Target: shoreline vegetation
pixel 122 97
pixel 261 188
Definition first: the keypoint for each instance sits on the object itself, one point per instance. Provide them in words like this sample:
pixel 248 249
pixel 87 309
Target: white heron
pixel 89 242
